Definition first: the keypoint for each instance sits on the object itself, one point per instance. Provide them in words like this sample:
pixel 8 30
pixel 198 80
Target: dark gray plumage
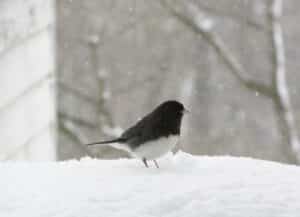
pixel 151 137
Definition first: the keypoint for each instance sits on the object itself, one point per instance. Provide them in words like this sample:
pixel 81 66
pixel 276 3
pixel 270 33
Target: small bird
pixel 154 135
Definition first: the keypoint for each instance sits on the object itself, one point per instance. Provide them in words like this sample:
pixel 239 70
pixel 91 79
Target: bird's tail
pixel 107 142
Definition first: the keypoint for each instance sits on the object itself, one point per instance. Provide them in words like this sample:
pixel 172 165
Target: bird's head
pixel 172 108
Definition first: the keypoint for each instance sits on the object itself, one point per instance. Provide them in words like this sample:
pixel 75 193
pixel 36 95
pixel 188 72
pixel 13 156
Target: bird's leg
pixel 156 164
pixel 145 162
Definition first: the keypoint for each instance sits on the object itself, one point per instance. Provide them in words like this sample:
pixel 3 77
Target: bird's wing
pixel 133 135
pixel 142 131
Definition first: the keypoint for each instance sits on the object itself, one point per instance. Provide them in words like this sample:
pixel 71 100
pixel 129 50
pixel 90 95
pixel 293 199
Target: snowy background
pixel 71 70
pixel 184 186
pixel 117 60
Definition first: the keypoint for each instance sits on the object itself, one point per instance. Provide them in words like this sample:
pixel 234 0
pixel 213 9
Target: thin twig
pixel 76 120
pixel 79 141
pixel 77 93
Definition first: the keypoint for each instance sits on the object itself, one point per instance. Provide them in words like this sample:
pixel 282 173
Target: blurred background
pixel 74 72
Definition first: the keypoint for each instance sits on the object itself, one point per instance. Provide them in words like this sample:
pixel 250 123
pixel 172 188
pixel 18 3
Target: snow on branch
pixel 198 26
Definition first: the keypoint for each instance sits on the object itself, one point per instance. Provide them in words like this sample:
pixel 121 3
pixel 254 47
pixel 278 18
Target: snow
pixel 115 131
pixel 184 185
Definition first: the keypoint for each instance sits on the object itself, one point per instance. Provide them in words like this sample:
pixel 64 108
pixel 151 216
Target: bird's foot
pixel 156 164
pixel 145 162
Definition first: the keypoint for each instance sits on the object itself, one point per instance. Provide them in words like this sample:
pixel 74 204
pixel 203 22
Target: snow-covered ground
pixel 184 186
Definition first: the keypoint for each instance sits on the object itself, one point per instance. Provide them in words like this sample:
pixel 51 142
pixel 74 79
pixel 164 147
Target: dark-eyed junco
pixel 154 135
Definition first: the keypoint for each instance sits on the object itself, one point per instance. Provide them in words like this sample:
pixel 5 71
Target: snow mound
pixel 184 186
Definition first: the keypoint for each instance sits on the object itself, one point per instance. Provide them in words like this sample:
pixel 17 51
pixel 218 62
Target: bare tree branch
pixel 76 120
pixel 199 28
pixel 235 17
pixel 103 113
pixel 132 86
pixel 97 39
pixel 279 78
pixel 78 93
pixel 73 134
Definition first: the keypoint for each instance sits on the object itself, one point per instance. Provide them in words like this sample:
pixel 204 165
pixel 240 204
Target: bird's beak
pixel 186 111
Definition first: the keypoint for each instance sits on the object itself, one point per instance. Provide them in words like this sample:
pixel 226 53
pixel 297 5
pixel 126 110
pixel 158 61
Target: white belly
pixel 155 149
